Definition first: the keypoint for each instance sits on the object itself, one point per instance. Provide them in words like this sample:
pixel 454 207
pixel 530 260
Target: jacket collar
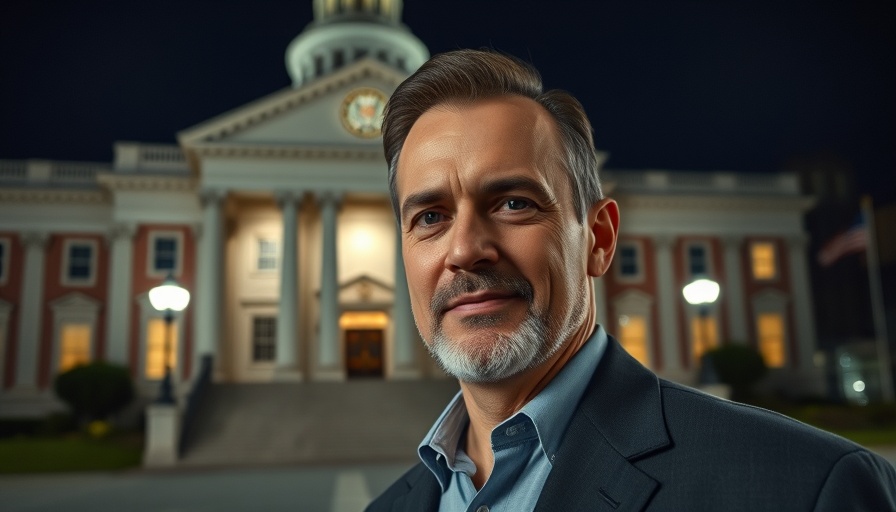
pixel 619 420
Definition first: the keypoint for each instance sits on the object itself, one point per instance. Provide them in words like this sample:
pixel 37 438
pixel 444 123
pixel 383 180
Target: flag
pixel 853 240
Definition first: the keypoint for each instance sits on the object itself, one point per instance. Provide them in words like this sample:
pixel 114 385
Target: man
pixel 503 225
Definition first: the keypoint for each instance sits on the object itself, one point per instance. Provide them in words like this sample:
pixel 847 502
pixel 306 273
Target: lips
pixel 485 299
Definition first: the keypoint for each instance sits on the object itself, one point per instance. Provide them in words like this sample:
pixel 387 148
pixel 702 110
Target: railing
pixel 139 157
pixel 658 181
pixel 44 172
pixel 13 170
pixel 194 401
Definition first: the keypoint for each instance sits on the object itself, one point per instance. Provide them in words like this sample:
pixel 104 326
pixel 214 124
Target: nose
pixel 471 243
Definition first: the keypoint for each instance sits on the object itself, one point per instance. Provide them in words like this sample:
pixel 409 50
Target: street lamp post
pixel 702 293
pixel 168 297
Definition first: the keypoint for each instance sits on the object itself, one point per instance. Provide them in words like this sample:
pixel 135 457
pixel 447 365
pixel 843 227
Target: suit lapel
pixel 619 420
pixel 423 492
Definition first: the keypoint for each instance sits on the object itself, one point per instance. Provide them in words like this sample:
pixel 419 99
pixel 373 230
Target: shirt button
pixel 483 508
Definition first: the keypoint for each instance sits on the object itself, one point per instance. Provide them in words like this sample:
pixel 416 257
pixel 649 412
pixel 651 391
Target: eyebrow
pixel 504 185
pixel 491 188
pixel 419 199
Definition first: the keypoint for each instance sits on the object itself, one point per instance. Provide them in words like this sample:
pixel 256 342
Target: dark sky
pixel 686 85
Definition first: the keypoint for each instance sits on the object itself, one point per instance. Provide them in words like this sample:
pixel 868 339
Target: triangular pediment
pixel 75 301
pixel 307 117
pixel 365 289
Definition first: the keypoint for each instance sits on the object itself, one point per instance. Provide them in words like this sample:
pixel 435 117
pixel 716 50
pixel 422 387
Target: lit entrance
pixel 364 333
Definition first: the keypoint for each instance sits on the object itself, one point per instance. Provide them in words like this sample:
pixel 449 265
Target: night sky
pixel 684 85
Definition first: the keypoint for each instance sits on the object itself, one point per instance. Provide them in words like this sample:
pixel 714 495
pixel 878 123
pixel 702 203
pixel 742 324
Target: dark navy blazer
pixel 638 442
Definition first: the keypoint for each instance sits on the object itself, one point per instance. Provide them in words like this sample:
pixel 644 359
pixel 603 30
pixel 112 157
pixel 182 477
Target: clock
pixel 362 112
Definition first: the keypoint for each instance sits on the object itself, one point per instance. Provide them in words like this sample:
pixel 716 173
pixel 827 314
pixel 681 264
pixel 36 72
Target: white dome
pixel 345 31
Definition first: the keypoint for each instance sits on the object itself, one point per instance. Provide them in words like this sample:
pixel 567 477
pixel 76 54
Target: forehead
pixel 473 140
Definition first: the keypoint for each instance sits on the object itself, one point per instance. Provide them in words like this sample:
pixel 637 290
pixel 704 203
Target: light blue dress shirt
pixel 524 445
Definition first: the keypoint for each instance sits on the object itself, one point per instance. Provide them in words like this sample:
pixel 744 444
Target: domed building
pixel 276 217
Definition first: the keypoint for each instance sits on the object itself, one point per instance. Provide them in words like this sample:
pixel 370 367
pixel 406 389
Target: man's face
pixel 495 257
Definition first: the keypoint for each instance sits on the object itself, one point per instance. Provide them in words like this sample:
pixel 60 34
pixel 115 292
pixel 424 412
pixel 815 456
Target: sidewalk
pixel 318 489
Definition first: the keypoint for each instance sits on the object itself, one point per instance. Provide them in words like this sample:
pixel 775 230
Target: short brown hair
pixel 464 76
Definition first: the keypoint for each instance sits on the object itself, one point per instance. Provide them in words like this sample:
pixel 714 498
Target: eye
pixel 517 204
pixel 430 217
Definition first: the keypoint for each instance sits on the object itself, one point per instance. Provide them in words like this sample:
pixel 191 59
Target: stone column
pixel 734 292
pixel 668 297
pixel 30 317
pixel 288 308
pixel 328 353
pixel 207 321
pixel 118 311
pixel 406 337
pixel 802 302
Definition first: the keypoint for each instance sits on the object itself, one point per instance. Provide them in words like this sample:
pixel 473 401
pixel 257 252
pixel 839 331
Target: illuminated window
pixel 155 347
pixel 74 346
pixel 79 263
pixel 264 339
pixel 704 334
pixel 762 255
pixel 770 330
pixel 633 337
pixel 267 255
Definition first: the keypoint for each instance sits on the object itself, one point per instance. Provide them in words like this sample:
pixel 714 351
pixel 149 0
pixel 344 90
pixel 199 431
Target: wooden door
pixel 364 352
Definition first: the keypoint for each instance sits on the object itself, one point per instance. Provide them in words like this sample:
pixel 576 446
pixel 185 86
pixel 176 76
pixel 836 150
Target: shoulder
pixel 693 417
pixel 416 476
pixel 730 443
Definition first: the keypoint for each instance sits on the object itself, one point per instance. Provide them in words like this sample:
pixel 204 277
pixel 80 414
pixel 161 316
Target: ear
pixel 603 225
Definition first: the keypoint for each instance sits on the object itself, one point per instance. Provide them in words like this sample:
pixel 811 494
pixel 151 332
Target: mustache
pixel 468 282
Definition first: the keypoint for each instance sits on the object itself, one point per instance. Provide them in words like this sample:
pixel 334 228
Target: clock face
pixel 362 112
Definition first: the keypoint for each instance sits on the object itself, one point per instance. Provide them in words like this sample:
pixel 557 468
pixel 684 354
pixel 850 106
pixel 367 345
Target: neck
pixel 489 404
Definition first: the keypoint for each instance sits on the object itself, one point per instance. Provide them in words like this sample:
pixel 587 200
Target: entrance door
pixel 364 352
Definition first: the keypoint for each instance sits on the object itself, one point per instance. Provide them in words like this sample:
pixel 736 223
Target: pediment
pixel 365 289
pixel 75 302
pixel 294 118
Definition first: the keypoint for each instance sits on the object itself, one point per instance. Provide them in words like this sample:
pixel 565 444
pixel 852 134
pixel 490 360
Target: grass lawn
pixel 75 452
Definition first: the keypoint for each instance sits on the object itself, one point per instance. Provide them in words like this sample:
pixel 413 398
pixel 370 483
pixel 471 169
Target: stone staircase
pixel 314 422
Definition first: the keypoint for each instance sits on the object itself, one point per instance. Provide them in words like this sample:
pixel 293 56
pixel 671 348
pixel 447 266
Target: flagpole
pixel 877 304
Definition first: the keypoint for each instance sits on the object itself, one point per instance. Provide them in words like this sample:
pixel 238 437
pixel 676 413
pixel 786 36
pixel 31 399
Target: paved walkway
pixel 318 489
pixel 287 489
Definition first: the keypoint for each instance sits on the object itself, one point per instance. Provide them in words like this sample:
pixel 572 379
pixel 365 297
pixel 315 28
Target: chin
pixel 492 355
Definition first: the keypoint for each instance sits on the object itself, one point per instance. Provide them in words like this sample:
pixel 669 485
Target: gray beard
pixel 498 358
pixel 495 356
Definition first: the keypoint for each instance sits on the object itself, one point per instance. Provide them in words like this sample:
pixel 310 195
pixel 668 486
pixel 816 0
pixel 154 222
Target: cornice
pixel 53 195
pixel 718 202
pixel 289 152
pixel 147 183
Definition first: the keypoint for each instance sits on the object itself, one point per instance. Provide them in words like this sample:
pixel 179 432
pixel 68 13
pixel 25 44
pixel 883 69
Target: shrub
pixel 95 391
pixel 738 365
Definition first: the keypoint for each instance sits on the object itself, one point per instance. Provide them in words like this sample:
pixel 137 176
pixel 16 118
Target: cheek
pixel 564 258
pixel 422 276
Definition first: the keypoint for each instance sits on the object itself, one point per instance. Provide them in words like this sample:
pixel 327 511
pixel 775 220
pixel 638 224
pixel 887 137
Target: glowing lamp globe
pixel 169 296
pixel 701 291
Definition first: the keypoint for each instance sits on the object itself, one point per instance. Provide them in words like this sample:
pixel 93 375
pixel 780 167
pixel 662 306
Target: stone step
pixel 353 421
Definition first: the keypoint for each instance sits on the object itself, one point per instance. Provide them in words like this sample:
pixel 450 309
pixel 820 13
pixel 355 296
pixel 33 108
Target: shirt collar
pixel 551 411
